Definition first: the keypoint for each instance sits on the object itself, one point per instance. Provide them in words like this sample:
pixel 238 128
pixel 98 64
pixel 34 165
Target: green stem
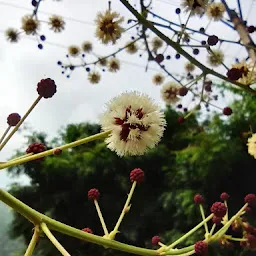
pixel 212 229
pixel 179 49
pixel 38 218
pixel 177 251
pixel 33 242
pixel 51 151
pixel 190 232
pixel 125 207
pixel 5 133
pixel 20 122
pixel 101 217
pixel 203 217
pixel 54 240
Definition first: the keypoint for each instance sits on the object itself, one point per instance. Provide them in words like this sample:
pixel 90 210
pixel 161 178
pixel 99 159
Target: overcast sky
pixel 23 65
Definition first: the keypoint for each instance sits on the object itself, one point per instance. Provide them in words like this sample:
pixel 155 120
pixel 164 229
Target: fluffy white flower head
pixel 136 123
pixel 252 145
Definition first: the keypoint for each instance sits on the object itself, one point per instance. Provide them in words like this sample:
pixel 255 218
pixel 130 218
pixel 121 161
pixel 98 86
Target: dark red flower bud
pixel 46 88
pixel 137 175
pixel 93 194
pixel 198 199
pixel 13 119
pixel 155 240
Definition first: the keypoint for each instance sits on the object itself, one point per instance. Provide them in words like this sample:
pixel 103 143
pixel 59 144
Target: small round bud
pixel 137 175
pixel 219 209
pixel 198 199
pixel 57 151
pixel 34 3
pixel 159 58
pixel 13 119
pixel 227 111
pixel 93 194
pixel 40 46
pixel 46 88
pixel 250 199
pixel 212 40
pixel 216 220
pixel 224 196
pixel 183 91
pixel 42 37
pixel 201 248
pixel 177 11
pixel 251 29
pixel 181 120
pixel 195 51
pixel 177 56
pixel 234 74
pixel 155 240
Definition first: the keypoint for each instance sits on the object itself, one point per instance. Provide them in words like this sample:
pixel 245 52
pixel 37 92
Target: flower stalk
pixel 33 242
pixel 20 122
pixel 54 240
pixel 25 159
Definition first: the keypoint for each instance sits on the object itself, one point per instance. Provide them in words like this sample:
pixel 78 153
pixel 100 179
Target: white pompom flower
pixel 137 124
pixel 252 145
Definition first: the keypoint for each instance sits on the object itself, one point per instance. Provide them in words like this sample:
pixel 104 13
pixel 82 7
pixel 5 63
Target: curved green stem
pixel 190 232
pixel 101 218
pixel 125 207
pixel 38 218
pixel 52 238
pixel 25 159
pixel 33 242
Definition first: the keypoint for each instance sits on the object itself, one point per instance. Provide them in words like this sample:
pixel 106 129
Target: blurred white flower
pixel 108 26
pixel 170 92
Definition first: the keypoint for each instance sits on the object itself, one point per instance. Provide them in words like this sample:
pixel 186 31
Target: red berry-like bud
pixel 212 40
pixel 36 148
pixel 247 227
pixel 57 151
pixel 198 199
pixel 201 248
pixel 13 119
pixel 234 74
pixel 87 230
pixel 181 120
pixel 208 87
pixel 159 58
pixel 250 199
pixel 227 111
pixel 183 91
pixel 216 220
pixel 251 241
pixel 46 88
pixel 251 29
pixel 155 240
pixel 219 209
pixel 224 196
pixel 137 175
pixel 248 209
pixel 93 194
